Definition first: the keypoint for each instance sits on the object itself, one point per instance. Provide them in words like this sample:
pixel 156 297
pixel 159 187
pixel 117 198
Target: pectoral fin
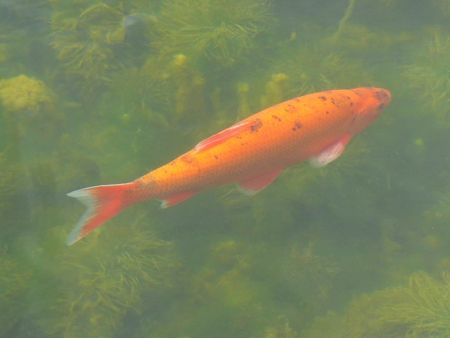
pixel 254 185
pixel 330 153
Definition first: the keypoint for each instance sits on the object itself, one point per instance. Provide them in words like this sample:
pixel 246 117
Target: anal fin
pixel 176 199
pixel 254 185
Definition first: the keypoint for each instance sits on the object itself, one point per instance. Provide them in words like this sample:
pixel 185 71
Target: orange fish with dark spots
pixel 251 153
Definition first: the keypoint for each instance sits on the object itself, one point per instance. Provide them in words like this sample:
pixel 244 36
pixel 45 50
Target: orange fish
pixel 251 153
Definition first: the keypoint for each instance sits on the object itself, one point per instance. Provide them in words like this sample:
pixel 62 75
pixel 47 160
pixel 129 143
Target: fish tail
pixel 102 202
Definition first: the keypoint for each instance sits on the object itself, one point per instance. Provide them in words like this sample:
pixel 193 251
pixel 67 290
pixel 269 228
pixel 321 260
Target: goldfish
pixel 251 153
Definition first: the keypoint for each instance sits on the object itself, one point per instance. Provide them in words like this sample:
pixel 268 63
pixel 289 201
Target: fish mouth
pixel 383 95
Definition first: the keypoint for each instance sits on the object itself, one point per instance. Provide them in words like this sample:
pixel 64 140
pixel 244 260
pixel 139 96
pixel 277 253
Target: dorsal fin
pixel 225 134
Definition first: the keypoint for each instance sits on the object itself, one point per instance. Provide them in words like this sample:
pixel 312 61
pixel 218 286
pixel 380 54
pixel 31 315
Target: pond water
pixel 96 93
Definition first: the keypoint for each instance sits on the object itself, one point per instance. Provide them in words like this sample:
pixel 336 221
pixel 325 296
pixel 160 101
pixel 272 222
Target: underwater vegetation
pixel 23 94
pixel 430 75
pixel 98 91
pixel 82 43
pixel 367 41
pixel 106 278
pixel 419 309
pixel 218 31
pixel 92 44
pixel 31 110
pixel 18 21
pixel 14 281
pixel 443 6
pixel 310 274
pixel 10 178
pixel 13 203
pixel 280 329
pixel 305 72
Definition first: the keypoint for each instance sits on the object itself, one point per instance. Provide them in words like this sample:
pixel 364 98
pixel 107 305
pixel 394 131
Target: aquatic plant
pixel 242 90
pixel 419 309
pixel 90 44
pixel 43 178
pixel 275 90
pixel 342 23
pixel 81 43
pixel 12 195
pixel 23 94
pixel 219 31
pixel 313 66
pixel 14 281
pixel 282 329
pixel 4 53
pixel 430 75
pixel 106 277
pixel 308 275
pixel 175 91
pixel 443 6
pixel 359 39
pixel 326 326
pixel 189 96
pixel 10 176
pixel 30 107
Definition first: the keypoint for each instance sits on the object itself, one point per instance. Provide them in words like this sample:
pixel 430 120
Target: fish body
pixel 251 153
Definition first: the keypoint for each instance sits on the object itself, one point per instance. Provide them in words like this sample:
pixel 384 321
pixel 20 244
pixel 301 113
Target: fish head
pixel 371 103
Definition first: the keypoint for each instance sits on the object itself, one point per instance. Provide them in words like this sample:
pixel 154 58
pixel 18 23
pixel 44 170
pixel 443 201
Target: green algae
pixel 419 309
pixel 23 94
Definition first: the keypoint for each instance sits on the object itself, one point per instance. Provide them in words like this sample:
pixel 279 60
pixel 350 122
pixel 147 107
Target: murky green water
pixel 102 92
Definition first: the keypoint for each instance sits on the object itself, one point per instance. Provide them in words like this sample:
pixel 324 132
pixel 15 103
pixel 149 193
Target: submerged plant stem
pixel 342 23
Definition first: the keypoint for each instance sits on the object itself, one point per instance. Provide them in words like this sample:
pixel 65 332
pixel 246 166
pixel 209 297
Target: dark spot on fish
pixel 216 157
pixel 276 118
pixel 323 98
pixel 333 101
pixel 347 97
pixel 140 186
pixel 327 112
pixel 357 92
pixel 351 103
pixel 297 125
pixel 297 99
pixel 256 126
pixel 291 108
